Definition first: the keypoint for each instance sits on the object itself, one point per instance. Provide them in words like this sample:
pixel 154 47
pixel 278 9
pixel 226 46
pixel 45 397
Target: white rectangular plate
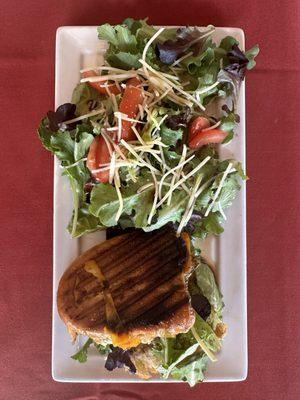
pixel 79 47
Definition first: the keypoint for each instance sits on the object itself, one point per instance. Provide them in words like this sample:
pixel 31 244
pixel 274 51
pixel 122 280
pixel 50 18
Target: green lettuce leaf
pixel 124 60
pixel 228 192
pixel 210 225
pixel 207 68
pixel 186 353
pixel 207 284
pixel 105 202
pixel 228 122
pixel 123 49
pixel 83 140
pixel 127 42
pixel 60 143
pixel 86 98
pixel 251 54
pixel 103 350
pixel 170 213
pixel 213 172
pixel 82 354
pixel 63 147
pixel 170 136
pixel 132 24
pixel 227 43
pixel 145 32
pixel 67 146
pixel 119 36
pixel 86 222
pixel 181 358
pixel 207 334
pixel 240 171
pixel 70 147
pixel 192 372
pixel 198 65
pixel 45 134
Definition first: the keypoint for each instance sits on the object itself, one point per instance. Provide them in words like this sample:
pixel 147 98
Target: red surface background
pixel 27 34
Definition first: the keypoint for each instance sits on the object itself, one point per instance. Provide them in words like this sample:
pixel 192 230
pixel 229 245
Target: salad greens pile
pixel 162 177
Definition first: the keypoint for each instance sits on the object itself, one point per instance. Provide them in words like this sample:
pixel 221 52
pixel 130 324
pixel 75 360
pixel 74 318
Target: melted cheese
pixel 111 313
pixel 188 262
pixel 122 340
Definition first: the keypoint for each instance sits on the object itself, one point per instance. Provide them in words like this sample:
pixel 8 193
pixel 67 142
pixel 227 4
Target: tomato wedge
pixel 98 154
pixel 129 105
pixel 197 125
pixel 207 137
pixel 99 85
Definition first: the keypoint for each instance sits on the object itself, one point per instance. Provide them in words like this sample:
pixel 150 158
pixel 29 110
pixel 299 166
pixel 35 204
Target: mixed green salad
pixel 139 143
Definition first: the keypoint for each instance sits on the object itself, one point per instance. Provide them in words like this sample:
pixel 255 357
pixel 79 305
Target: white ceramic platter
pixel 76 48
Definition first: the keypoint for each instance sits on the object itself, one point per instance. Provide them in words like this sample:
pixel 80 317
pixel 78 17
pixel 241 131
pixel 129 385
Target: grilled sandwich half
pixel 129 289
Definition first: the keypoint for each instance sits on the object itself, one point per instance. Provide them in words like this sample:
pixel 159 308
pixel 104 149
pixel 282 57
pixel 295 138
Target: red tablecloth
pixel 27 91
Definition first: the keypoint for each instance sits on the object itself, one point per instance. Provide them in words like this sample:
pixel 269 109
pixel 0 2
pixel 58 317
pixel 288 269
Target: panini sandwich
pixel 129 289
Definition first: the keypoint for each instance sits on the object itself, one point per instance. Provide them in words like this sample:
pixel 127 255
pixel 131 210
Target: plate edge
pixel 59 32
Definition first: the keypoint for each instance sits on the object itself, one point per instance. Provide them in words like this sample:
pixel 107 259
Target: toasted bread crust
pixel 145 274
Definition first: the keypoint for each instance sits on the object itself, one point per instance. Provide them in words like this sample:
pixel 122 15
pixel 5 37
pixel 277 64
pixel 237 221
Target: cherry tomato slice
pixel 129 105
pixel 98 154
pixel 197 126
pixel 207 137
pixel 100 85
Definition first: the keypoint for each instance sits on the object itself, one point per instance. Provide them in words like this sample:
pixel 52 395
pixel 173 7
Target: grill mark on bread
pixel 138 273
pixel 144 310
pixel 122 247
pixel 158 312
pixel 130 257
pixel 146 297
pixel 144 317
pixel 146 280
pixel 148 271
pixel 154 286
pixel 120 241
pixel 134 264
